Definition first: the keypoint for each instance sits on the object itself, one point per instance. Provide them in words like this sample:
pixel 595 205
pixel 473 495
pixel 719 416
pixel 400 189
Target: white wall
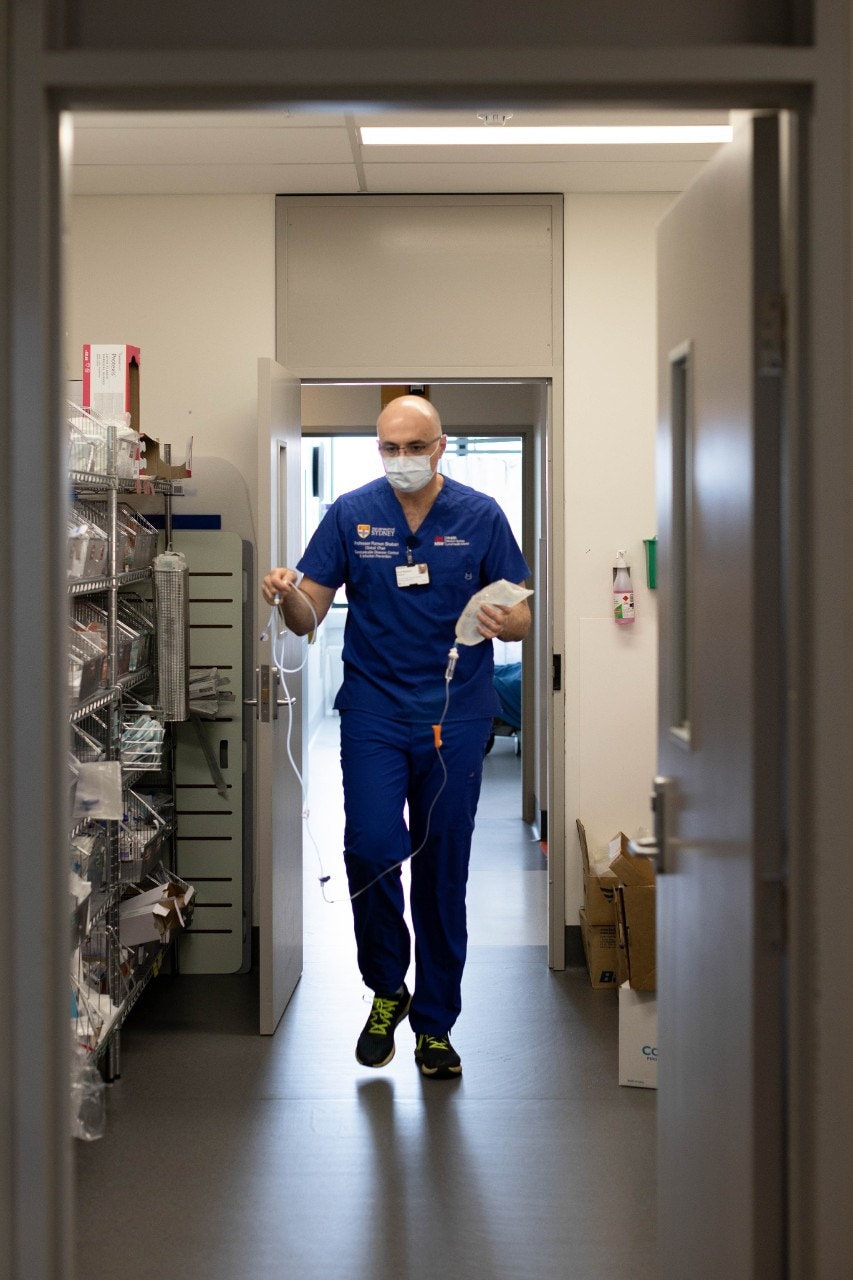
pixel 191 281
pixel 610 424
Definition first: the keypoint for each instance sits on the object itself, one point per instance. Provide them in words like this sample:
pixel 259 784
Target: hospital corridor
pixel 228 1154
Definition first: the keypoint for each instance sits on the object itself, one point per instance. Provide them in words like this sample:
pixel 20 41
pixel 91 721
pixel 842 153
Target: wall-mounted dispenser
pixel 651 545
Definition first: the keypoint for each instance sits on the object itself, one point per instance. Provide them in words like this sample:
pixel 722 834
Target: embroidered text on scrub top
pixel 375 543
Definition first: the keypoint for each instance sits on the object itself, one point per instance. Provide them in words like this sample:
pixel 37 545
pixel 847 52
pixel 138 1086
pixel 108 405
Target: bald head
pixel 412 414
pixel 410 425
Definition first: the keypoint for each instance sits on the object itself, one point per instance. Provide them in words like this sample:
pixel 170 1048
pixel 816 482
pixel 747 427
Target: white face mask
pixel 407 474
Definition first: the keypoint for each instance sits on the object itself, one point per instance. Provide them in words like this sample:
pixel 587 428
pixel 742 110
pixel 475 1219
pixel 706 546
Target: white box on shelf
pixel 638 1038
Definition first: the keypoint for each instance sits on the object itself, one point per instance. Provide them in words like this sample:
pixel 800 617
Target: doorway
pixel 831 314
pixel 499 463
pixel 497 435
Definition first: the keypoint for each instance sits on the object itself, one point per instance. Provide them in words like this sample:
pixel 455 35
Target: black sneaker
pixel 375 1047
pixel 437 1058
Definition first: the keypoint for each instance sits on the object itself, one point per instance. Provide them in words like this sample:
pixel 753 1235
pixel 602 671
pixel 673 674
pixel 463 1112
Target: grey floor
pixel 228 1156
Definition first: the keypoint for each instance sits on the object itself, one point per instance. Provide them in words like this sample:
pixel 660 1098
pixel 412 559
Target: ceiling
pixel 275 151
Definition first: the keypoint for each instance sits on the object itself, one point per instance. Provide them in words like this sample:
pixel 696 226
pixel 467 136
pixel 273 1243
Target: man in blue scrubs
pixel 411 547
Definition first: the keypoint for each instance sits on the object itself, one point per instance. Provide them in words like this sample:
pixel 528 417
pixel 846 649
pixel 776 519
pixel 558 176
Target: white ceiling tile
pixel 555 177
pixel 501 156
pixel 257 117
pixel 598 115
pixel 293 179
pixel 269 150
pixel 218 144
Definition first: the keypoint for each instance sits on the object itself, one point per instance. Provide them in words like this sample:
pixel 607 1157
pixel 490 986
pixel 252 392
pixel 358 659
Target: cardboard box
pixel 638 1038
pixel 111 382
pixel 153 464
pixel 599 886
pixel 599 947
pixel 628 867
pixel 636 936
pixel 152 915
pixel 623 973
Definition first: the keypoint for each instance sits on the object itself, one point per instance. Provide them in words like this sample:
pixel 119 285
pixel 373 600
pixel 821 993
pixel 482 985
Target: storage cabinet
pixel 126 901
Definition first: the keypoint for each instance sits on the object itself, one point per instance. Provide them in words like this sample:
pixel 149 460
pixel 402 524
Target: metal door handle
pixel 262 699
pixel 645 847
pixel 253 702
pixel 264 679
pixel 279 702
pixel 654 847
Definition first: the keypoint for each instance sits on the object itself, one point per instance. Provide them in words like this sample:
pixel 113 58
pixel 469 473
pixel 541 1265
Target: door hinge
pixel 772 327
pixel 557 672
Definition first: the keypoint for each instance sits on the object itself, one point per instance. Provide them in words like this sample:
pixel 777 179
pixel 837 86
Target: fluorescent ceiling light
pixel 545 135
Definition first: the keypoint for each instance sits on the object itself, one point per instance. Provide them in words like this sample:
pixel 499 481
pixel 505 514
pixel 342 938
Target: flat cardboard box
pixel 599 946
pixel 152 915
pixel 636 937
pixel 111 382
pixel 598 886
pixel 628 867
pixel 153 464
pixel 638 1038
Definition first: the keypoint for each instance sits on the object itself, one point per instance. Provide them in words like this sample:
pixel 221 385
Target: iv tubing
pixel 394 866
pixel 276 636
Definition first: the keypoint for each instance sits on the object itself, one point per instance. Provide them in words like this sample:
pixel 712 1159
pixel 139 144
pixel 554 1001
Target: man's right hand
pixel 278 584
pixel 304 605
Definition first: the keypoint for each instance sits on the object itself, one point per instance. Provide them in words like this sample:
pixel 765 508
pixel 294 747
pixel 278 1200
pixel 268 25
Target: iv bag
pixel 500 592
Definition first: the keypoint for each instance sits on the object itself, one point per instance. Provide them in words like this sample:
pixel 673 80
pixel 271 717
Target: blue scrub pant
pixel 386 763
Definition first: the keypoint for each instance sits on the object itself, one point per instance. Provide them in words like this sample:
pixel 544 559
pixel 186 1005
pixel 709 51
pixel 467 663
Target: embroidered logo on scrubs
pixel 373 530
pixel 375 543
pixel 448 540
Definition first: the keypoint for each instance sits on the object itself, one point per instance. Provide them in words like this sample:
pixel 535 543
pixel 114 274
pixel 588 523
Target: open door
pixel 720 799
pixel 278 710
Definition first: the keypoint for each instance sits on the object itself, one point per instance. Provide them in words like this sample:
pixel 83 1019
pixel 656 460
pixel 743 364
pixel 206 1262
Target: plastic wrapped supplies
pixel 171 607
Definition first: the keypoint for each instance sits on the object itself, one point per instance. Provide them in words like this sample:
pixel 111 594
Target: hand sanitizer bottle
pixel 623 592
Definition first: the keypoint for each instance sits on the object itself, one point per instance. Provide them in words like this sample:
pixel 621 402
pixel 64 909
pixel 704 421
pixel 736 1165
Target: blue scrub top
pixel 396 638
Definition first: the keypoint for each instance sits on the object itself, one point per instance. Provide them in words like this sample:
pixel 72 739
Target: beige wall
pixel 191 281
pixel 610 424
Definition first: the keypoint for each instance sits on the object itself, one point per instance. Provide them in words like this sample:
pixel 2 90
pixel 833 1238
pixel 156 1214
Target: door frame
pixel 45 78
pixel 278 793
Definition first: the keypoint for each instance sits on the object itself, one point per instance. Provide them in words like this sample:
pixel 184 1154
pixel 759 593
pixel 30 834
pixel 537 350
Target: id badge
pixel 412 575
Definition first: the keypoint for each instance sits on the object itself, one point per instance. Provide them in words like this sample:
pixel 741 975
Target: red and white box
pixel 111 382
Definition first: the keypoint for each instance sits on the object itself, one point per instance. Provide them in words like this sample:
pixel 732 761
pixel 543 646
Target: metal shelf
pixel 89 482
pixel 115 1016
pixel 109 697
pixel 107 985
pixel 95 586
pixel 103 698
pixel 134 678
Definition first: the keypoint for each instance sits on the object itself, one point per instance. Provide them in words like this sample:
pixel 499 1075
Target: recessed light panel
pixel 545 135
